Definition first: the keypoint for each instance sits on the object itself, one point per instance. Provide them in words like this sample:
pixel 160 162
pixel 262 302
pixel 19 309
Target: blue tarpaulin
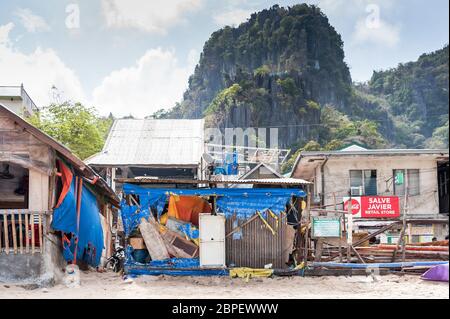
pixel 172 267
pixel 89 232
pixel 242 202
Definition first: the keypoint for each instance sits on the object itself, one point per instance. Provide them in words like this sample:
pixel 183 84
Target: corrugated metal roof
pixel 11 91
pixel 152 142
pixel 266 181
pixel 273 181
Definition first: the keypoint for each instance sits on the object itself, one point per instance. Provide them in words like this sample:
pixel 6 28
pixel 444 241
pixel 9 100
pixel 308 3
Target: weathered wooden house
pixel 47 197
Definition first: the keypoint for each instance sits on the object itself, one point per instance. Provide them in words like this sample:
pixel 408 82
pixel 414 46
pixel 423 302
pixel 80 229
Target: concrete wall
pixel 40 269
pixel 337 179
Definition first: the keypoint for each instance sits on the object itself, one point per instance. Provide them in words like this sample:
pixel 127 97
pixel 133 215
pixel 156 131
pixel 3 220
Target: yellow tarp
pixel 248 273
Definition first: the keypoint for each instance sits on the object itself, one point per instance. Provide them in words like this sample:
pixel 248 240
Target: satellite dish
pixel 208 158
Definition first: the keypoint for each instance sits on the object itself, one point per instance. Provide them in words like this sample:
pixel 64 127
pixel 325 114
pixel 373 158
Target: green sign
pixel 399 178
pixel 328 227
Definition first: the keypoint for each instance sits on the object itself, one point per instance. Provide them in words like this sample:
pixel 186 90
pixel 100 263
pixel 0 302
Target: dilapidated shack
pixel 231 227
pixel 47 197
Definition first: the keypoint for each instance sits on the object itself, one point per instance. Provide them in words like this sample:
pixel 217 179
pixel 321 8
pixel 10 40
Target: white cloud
pixel 380 33
pixel 156 81
pixel 31 22
pixel 38 71
pixel 233 17
pixel 151 16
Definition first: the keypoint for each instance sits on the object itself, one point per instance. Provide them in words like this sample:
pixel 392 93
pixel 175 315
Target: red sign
pixel 374 206
pixel 355 206
pixel 380 207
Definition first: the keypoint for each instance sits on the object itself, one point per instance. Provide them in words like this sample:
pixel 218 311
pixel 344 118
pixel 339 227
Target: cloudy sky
pixel 135 56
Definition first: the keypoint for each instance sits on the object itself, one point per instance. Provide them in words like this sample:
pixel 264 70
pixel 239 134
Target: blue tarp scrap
pixel 90 232
pixel 172 267
pixel 131 217
pixel 189 230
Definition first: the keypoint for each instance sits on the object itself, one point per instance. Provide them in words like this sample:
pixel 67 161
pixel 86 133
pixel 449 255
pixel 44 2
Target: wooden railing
pixel 22 231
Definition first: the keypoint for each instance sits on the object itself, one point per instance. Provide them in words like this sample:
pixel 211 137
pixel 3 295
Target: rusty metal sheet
pixel 257 245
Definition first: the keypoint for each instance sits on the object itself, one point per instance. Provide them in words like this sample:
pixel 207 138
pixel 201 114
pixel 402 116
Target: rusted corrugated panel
pixel 258 246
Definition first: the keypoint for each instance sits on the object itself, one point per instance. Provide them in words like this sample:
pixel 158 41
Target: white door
pixel 212 240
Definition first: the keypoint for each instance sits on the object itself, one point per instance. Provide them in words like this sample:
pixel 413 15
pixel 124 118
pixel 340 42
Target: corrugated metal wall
pixel 257 246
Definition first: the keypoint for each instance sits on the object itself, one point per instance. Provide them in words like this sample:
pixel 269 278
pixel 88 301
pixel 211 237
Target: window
pixel 13 186
pixel 365 180
pixel 406 178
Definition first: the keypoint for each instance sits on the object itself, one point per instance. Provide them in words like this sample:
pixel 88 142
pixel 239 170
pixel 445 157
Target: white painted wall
pixel 337 178
pixel 39 191
pixel 16 106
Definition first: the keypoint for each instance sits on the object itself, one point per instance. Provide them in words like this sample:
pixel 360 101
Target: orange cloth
pixel 187 208
pixel 66 179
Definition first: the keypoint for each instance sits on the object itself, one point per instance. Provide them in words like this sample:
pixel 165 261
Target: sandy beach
pixel 110 285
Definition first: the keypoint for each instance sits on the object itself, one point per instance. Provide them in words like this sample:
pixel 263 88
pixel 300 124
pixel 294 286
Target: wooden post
pixel 340 237
pixel 27 234
pixel 1 249
pixel 32 233
pixel 307 217
pixel 401 240
pixel 349 229
pixel 20 233
pixel 404 225
pixel 41 244
pixel 319 248
pixel 13 232
pixel 5 232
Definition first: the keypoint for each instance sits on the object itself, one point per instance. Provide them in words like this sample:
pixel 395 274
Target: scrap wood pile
pixel 385 252
pixel 175 235
pixel 425 251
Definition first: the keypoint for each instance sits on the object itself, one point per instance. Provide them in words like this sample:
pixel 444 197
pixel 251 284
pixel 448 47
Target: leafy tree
pixel 77 127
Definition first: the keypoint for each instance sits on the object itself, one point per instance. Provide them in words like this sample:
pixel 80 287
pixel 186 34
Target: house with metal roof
pixel 418 177
pixel 152 147
pixel 17 100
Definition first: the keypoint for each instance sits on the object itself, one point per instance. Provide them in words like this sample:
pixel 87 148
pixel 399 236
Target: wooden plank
pixel 41 244
pixel 32 233
pixel 155 244
pixel 5 232
pixel 1 233
pixel 319 248
pixel 13 232
pixel 357 254
pixel 27 235
pixel 242 226
pixel 20 234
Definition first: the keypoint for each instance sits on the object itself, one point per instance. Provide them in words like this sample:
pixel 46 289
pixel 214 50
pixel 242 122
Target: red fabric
pixel 66 179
